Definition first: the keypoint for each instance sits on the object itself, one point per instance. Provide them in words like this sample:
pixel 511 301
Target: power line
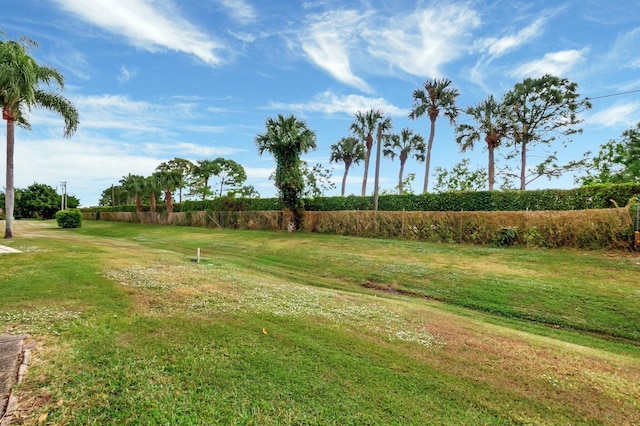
pixel 613 94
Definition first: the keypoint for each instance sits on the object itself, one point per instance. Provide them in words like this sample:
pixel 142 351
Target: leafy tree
pixel 201 173
pixel 489 118
pixel 21 78
pixel 134 186
pixel 349 151
pixel 184 168
pixel 230 173
pixel 248 191
pixel 541 111
pixel 115 195
pixel 364 125
pixel 460 178
pixel 617 162
pixel 438 95
pixel 404 145
pixel 167 181
pixel 37 201
pixel 286 138
pixel 317 180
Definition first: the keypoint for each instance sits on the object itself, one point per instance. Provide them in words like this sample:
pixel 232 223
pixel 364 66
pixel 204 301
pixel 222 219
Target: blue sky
pixel 158 79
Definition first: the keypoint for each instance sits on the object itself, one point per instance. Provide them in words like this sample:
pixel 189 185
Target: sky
pixel 197 79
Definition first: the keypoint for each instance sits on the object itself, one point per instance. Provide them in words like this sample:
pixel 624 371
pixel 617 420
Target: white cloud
pixel 126 74
pixel 620 114
pixel 330 103
pixel 626 49
pixel 240 10
pixel 499 46
pixel 423 42
pixel 147 26
pixel 328 42
pixel 555 63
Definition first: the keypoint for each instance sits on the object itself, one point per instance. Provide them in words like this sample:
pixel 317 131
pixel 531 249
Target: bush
pixel 69 218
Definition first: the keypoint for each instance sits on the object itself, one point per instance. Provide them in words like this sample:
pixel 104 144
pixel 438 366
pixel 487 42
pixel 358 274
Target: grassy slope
pixel 280 329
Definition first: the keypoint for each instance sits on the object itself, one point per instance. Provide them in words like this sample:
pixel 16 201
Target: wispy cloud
pixel 126 74
pixel 331 103
pixel 496 47
pixel 620 114
pixel 626 49
pixel 148 26
pixel 556 63
pixel 329 41
pixel 240 10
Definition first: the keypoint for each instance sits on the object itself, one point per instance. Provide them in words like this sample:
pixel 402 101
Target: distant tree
pixel 37 201
pixel 231 174
pixel 287 138
pixel 181 166
pixel 618 161
pixel 490 124
pixel 72 202
pixel 460 178
pixel 201 173
pixel 151 187
pixel 114 195
pixel 21 78
pixel 248 191
pixel 364 126
pixel 167 181
pixel 317 180
pixel 541 111
pixel 438 95
pixel 404 145
pixel 134 185
pixel 349 151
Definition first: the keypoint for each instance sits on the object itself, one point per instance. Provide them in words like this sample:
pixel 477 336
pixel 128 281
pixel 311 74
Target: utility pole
pixel 63 186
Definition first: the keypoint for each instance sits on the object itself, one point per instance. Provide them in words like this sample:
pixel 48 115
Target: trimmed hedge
pixel 69 218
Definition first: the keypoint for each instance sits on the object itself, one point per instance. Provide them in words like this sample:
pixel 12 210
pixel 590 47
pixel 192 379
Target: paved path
pixel 13 362
pixel 5 249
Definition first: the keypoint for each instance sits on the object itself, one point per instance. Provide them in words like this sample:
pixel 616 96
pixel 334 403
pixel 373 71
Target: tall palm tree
pixel 203 171
pixel 404 145
pixel 168 180
pixel 286 138
pixel 490 122
pixel 181 166
pixel 384 126
pixel 364 126
pixel 134 185
pixel 349 151
pixel 20 91
pixel 438 95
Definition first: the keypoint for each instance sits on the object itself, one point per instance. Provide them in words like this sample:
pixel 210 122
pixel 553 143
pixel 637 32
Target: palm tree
pixel 203 171
pixel 134 185
pixel 438 95
pixel 168 181
pixel 286 138
pixel 348 150
pixel 20 90
pixel 363 126
pixel 183 167
pixel 404 145
pixel 383 128
pixel 490 122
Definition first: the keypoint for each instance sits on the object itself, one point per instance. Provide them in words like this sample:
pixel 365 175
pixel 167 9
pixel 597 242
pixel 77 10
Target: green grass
pixel 276 328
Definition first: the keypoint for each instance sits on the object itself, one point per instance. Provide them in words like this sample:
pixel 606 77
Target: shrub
pixel 69 218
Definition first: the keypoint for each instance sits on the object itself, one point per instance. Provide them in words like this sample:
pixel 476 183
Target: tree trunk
pixel 523 165
pixel 400 188
pixel 168 199
pixel 432 134
pixel 376 184
pixel 367 157
pixel 344 177
pixel 9 190
pixel 491 167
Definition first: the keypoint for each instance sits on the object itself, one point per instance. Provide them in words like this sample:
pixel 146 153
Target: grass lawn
pixel 301 329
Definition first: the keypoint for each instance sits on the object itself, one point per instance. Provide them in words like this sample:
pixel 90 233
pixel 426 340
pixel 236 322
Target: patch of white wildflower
pixel 234 293
pixel 36 321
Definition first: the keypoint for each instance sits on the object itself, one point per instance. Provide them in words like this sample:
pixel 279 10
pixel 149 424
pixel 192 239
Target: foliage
pixel 460 178
pixel 317 180
pixel 69 218
pixel 37 201
pixel 404 145
pixel 540 111
pixel 286 138
pixel 349 151
pixel 490 125
pixel 618 161
pixel 115 195
pixel 21 81
pixel 363 126
pixel 183 168
pixel 438 95
pixel 231 174
pixel 134 185
pixel 248 191
pixel 168 181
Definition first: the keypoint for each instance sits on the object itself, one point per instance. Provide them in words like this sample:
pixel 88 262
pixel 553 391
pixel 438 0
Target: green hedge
pixel 584 198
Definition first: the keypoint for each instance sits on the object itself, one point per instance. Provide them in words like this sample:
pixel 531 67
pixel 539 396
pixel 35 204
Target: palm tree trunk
pixel 344 177
pixel 523 165
pixel 376 184
pixel 491 167
pixel 400 188
pixel 168 199
pixel 367 157
pixel 9 191
pixel 432 134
